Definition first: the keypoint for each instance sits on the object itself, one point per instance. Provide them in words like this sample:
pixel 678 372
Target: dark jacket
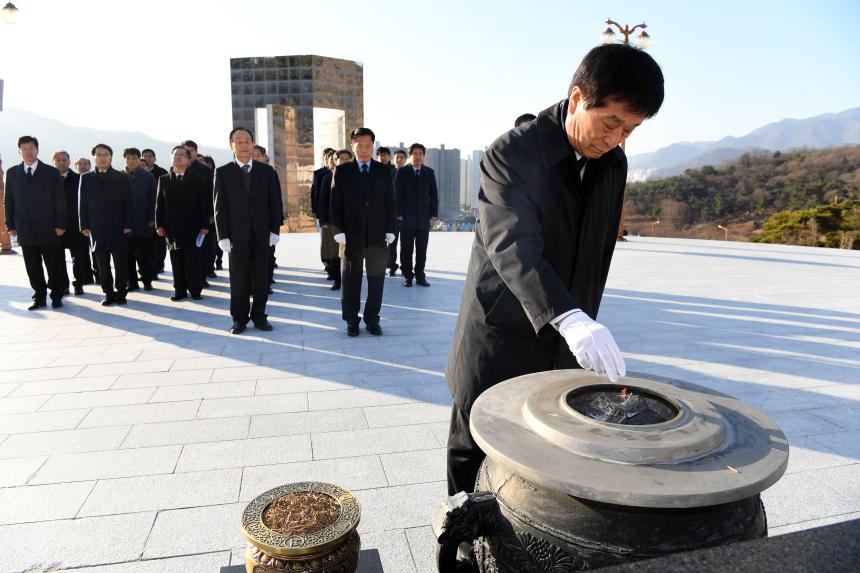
pixel 315 189
pixel 542 247
pixel 417 197
pixel 182 207
pixel 208 178
pixel 35 207
pixel 73 238
pixel 143 188
pixel 246 217
pixel 324 205
pixel 362 209
pixel 157 171
pixel 105 209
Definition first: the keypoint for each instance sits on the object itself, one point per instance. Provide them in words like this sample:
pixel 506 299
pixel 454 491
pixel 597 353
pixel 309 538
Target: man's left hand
pixel 59 232
pixel 273 239
pixel 126 231
pixel 389 238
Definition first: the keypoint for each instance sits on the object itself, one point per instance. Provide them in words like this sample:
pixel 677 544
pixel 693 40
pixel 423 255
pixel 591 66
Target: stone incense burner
pixel 582 474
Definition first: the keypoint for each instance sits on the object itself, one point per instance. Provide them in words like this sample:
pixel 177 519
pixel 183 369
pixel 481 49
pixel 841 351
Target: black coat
pixel 143 189
pixel 324 205
pixel 315 190
pixel 417 197
pixel 247 218
pixel 208 177
pixel 363 210
pixel 73 238
pixel 157 171
pixel 105 209
pixel 542 247
pixel 182 208
pixel 35 207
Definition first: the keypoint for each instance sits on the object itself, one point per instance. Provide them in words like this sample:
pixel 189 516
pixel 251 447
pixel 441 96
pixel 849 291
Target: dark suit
pixel 73 240
pixel 161 253
pixel 35 207
pixel 247 209
pixel 362 207
pixel 141 242
pixel 182 209
pixel 106 210
pixel 543 247
pixel 207 250
pixel 317 209
pixel 417 202
pixel 392 248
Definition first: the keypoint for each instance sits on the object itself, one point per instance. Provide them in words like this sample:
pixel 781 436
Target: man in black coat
pixel 207 250
pixel 73 240
pixel 549 206
pixel 157 171
pixel 362 213
pixel 383 155
pixel 248 216
pixel 181 216
pixel 106 218
pixel 36 216
pixel 417 204
pixel 316 186
pixel 141 242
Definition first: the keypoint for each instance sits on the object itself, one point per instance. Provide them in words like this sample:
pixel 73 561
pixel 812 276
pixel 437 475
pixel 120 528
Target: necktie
pixel 417 173
pixel 364 169
pixel 179 178
pixel 246 168
pixel 29 172
pixel 580 164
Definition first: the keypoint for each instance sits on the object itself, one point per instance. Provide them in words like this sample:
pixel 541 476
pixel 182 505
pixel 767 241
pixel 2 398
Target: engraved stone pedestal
pixel 306 527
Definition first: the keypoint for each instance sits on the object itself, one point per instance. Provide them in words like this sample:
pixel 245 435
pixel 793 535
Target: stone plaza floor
pixel 132 437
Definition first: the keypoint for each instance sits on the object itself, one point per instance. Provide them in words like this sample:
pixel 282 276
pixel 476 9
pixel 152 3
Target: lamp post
pixel 10 13
pixel 642 42
pixel 653 223
pixel 726 231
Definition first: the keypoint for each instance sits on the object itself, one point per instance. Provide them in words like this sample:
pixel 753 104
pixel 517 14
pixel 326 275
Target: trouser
pixel 120 265
pixel 392 250
pixel 141 254
pixel 352 273
pixel 186 270
pixel 54 260
pixel 81 266
pixel 219 255
pixel 418 239
pixel 464 455
pixel 160 255
pixel 249 270
pixel 207 254
pixel 334 266
pixel 272 260
pixel 95 263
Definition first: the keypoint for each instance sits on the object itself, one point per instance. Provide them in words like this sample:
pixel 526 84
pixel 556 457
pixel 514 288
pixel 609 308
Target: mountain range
pixel 78 141
pixel 826 130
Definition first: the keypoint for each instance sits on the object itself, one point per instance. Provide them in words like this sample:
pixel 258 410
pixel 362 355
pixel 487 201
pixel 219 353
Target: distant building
pixel 464 184
pixel 474 179
pixel 295 106
pixel 446 164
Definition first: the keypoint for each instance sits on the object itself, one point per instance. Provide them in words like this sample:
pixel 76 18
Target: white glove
pixel 592 345
pixel 273 239
pixel 340 239
pixel 389 238
pixel 225 245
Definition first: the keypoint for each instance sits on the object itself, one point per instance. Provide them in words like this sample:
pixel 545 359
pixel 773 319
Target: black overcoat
pixel 72 239
pixel 36 207
pixel 315 190
pixel 182 208
pixel 247 218
pixel 105 209
pixel 324 205
pixel 362 209
pixel 543 246
pixel 417 197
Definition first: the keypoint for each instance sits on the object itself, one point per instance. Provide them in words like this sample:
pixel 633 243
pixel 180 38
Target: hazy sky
pixel 436 72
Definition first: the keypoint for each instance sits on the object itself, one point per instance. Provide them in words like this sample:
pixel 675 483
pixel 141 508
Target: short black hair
pixel 147 150
pixel 361 131
pixel 182 147
pixel 235 130
pixel 620 73
pixel 526 117
pixel 415 146
pixel 208 160
pixel 104 146
pixel 189 143
pixel 28 139
pixel 400 151
pixel 347 151
pixel 260 148
pixel 327 151
pixel 131 151
pixel 382 150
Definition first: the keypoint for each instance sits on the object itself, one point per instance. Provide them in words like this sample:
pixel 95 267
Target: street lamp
pixel 10 13
pixel 726 238
pixel 642 42
pixel 652 227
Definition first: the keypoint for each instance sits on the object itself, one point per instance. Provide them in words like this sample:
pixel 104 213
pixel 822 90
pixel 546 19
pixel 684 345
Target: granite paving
pixel 132 437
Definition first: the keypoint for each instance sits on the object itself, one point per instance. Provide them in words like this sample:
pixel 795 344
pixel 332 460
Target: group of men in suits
pixel 362 207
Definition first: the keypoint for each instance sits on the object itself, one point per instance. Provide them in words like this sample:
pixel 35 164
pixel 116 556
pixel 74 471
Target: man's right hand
pixel 340 238
pixel 86 232
pixel 161 232
pixel 225 245
pixel 592 345
pixel 13 233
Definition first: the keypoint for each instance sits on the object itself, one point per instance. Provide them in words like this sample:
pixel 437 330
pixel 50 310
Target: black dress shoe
pixel 178 297
pixel 219 267
pixel 422 282
pixel 133 287
pixel 271 290
pixel 79 290
pixel 374 329
pixel 237 328
pixel 65 291
pixel 407 283
pixel 108 300
pixel 147 286
pixel 57 303
pixel 197 296
pixel 263 325
pixel 121 300
pixel 212 275
pixel 206 284
pixel 392 273
pixel 352 330
pixel 336 285
pixel 37 304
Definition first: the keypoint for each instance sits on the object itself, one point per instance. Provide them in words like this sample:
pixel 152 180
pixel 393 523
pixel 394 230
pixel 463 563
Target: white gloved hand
pixel 340 239
pixel 389 238
pixel 225 245
pixel 592 345
pixel 273 239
